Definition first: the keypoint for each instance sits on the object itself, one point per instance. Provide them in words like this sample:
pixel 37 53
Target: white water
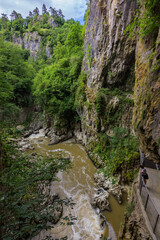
pixel 77 183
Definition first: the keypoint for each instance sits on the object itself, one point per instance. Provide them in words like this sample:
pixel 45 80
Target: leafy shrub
pixel 24 211
pixel 119 153
pixel 147 22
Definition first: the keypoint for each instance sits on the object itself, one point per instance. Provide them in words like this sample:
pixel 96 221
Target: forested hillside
pixel 29 81
pixel 53 79
pixel 98 83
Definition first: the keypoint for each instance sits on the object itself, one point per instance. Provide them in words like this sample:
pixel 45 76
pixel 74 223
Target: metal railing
pixel 147 162
pixel 150 208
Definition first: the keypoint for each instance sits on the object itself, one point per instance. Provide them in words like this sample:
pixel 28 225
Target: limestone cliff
pixel 109 63
pixel 32 42
pixel 146 116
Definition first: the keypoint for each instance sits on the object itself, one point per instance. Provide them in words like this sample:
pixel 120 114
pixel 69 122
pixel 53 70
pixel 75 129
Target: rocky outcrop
pixel 105 187
pixel 109 53
pixel 32 42
pixel 109 63
pixel 134 226
pixel 101 201
pixel 58 135
pixel 146 116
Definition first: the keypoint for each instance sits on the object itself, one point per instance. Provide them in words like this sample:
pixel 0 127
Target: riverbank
pixel 40 142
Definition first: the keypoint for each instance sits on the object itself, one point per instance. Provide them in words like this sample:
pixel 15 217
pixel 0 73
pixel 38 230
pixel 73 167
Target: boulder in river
pixel 55 206
pixel 107 184
pixel 101 201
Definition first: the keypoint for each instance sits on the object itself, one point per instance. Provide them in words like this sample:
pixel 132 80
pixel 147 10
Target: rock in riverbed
pixel 101 201
pixel 106 185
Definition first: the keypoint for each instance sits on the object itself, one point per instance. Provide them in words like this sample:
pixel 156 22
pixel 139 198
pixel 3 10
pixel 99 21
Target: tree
pixel 53 12
pixel 30 14
pixel 36 11
pixel 15 15
pixel 55 86
pixel 60 14
pixel 15 77
pixel 25 208
pixel 44 9
pixel 4 19
pixel 4 16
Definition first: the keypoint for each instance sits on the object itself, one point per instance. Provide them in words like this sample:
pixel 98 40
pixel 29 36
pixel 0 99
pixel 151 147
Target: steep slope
pixel 109 62
pixel 32 42
pixel 146 116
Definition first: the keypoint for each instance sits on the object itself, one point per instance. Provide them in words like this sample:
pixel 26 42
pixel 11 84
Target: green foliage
pixel 89 55
pixel 100 104
pixel 144 113
pixel 24 211
pixel 147 22
pixel 110 105
pixel 119 153
pixel 81 90
pixel 15 77
pixel 86 17
pixel 55 86
pixel 129 208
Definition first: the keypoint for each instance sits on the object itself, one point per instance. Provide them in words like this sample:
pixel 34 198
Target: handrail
pixel 146 203
pixel 150 197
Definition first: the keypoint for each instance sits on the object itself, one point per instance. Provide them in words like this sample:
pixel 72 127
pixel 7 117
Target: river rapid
pixel 78 184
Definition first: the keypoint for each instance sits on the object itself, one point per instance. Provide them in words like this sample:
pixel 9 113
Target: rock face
pixel 102 202
pixel 109 63
pixel 30 41
pixel 109 58
pixel 109 53
pixel 134 227
pixel 146 116
pixel 105 188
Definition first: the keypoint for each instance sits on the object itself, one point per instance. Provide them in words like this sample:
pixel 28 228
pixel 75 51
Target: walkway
pixel 153 185
pixel 150 196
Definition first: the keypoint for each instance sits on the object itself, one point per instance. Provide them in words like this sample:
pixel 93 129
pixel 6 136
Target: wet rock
pixel 99 179
pixel 24 145
pixel 12 139
pixel 117 193
pixel 36 132
pixel 104 222
pixel 102 202
pixel 27 147
pixel 28 133
pixel 56 139
pixel 20 127
pixel 47 131
pixel 105 183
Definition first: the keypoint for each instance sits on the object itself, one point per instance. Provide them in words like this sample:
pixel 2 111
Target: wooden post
pixel 146 201
pixel 156 224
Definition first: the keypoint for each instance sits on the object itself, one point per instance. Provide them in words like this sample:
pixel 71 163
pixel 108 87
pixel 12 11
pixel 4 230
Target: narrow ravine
pixel 77 183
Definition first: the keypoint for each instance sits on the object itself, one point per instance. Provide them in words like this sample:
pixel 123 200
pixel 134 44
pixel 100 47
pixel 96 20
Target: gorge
pixel 98 83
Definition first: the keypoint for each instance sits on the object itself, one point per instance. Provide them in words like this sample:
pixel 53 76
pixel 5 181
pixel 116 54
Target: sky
pixel 70 8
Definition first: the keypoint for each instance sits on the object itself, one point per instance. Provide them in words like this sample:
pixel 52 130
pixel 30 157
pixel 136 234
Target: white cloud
pixel 70 8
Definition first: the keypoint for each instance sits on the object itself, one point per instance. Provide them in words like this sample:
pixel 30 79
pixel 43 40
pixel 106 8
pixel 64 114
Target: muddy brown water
pixel 78 183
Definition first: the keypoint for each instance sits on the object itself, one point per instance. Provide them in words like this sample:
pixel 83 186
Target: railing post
pixel 156 224
pixel 141 184
pixel 146 201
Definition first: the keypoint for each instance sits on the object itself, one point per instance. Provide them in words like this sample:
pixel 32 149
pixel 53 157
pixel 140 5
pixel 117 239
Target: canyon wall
pixel 114 61
pixel 32 42
pixel 109 62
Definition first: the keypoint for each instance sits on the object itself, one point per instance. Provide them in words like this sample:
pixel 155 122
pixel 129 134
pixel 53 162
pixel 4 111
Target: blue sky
pixel 70 8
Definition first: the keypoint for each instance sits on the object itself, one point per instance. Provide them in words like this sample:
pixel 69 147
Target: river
pixel 78 183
